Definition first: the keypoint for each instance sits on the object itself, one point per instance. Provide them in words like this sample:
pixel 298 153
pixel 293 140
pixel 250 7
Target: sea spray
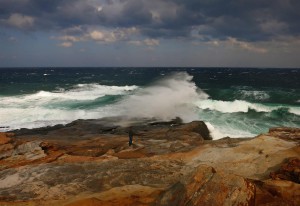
pixel 242 102
pixel 167 98
pixel 44 108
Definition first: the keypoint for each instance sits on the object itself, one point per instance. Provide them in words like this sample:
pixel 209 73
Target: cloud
pixel 66 44
pixel 70 38
pixel 146 42
pixel 246 46
pixel 136 42
pixel 151 42
pixel 20 21
pixel 99 35
pixel 12 39
pixel 233 42
pixel 274 27
pixel 246 21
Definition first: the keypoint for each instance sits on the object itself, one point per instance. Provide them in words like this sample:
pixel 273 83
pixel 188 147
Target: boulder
pixel 198 127
pixel 282 192
pixel 31 150
pixel 288 171
pixel 205 186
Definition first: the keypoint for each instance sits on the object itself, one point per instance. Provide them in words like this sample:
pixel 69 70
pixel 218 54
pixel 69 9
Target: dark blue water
pixel 233 101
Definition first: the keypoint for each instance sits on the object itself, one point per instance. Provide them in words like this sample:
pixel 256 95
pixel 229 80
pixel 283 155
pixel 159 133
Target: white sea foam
pixel 80 92
pixel 165 99
pixel 35 117
pixel 257 95
pixel 233 106
pixel 218 132
pixel 168 98
pixel 36 110
pixel 295 110
pixel 172 96
pixel 242 106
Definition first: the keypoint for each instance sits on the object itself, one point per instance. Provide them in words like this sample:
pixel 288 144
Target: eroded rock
pixel 205 186
pixel 288 171
pixel 90 162
pixel 5 138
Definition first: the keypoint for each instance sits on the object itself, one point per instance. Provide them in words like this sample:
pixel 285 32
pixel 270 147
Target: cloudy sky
pixel 237 33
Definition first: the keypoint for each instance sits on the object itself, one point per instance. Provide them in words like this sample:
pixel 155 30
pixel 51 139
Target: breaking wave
pixel 242 106
pixel 173 95
pixel 254 95
pixel 167 98
pixel 44 108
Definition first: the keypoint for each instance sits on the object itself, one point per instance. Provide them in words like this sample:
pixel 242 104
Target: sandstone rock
pixel 285 133
pixel 6 150
pixel 87 202
pixel 288 171
pixel 285 192
pixel 30 150
pixel 197 127
pixel 127 195
pixel 207 187
pixel 89 163
pixel 4 138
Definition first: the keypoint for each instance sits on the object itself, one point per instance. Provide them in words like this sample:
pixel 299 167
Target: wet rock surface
pixel 89 162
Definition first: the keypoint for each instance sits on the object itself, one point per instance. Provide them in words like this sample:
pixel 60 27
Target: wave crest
pixel 242 106
pixel 167 98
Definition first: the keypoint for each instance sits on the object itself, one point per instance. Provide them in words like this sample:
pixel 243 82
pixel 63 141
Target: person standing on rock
pixel 130 134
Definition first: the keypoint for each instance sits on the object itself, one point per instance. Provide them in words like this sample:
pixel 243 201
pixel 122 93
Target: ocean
pixel 234 102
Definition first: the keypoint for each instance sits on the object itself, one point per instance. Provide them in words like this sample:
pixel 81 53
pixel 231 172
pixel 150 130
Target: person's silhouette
pixel 130 134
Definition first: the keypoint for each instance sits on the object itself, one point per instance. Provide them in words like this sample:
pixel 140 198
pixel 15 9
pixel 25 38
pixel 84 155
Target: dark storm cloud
pixel 248 20
pixel 125 13
pixel 50 14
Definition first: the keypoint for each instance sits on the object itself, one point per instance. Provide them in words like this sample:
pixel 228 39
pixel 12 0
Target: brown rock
pixel 87 202
pixel 208 187
pixel 288 171
pixel 285 133
pixel 6 150
pixel 4 138
pixel 131 153
pixel 282 192
pixel 89 164
pixel 137 195
pixel 197 127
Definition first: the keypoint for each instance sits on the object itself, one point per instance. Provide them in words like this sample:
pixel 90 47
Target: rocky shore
pixel 89 162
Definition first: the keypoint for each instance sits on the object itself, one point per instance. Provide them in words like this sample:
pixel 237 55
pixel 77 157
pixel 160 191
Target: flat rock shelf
pixel 89 162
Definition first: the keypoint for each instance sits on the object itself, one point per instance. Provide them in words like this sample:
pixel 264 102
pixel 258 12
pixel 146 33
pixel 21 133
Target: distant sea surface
pixel 235 102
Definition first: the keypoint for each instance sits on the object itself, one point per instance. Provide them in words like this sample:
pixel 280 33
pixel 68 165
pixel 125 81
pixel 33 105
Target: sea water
pixel 235 102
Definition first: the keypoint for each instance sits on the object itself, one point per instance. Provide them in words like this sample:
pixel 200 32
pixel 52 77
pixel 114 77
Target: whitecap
pixel 43 108
pixel 79 92
pixel 256 95
pixel 232 106
pixel 218 132
pixel 165 99
pixel 295 110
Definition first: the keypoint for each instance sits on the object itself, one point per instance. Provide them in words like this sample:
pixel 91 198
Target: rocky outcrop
pixel 5 138
pixel 288 171
pixel 279 192
pixel 198 127
pixel 285 133
pixel 90 163
pixel 206 186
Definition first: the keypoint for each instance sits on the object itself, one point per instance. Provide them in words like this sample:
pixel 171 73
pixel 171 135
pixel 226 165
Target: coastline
pixel 90 162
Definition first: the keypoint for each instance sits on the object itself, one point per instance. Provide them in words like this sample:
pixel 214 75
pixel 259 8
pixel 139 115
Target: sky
pixel 150 33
